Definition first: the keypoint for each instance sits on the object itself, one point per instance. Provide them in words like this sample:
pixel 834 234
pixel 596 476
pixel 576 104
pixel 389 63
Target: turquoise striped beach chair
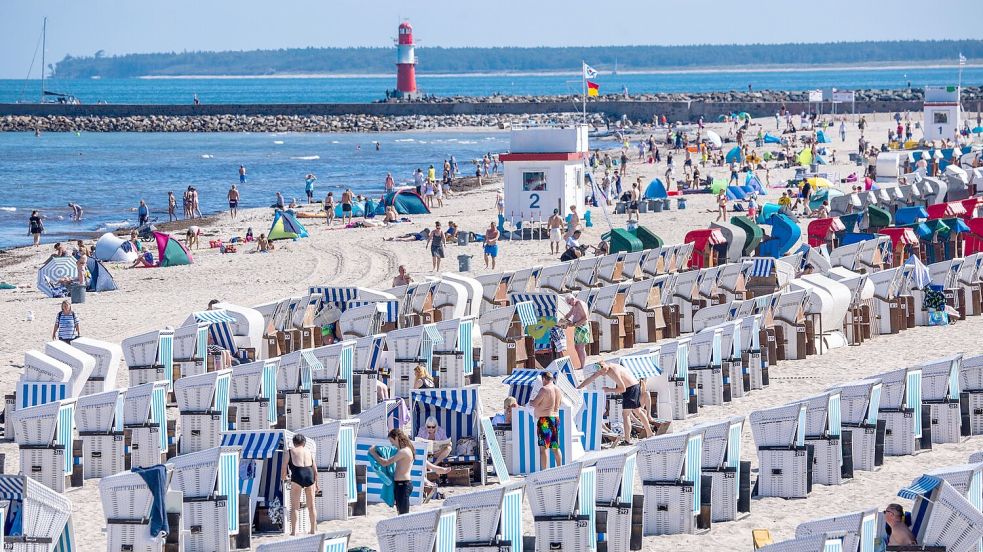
pixel 859 530
pixel 335 541
pixel 209 482
pixel 860 403
pixel 334 443
pixel 428 531
pixel 43 519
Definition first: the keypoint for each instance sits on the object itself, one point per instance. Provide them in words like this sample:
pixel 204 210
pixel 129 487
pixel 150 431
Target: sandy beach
pixel 153 298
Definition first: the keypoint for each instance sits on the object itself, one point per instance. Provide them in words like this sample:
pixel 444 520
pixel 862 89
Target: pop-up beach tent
pixel 772 139
pixel 734 155
pixel 405 200
pixel 110 247
pixel 100 279
pixel 286 227
pixel 171 252
pixel 656 190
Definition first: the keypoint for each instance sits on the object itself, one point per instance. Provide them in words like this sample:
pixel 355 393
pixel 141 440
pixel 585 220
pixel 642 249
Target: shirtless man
pixel 901 535
pixel 578 318
pixel 402 484
pixel 628 386
pixel 574 223
pixel 555 225
pixel 346 206
pixel 233 201
pixel 403 278
pixel 491 245
pixel 546 408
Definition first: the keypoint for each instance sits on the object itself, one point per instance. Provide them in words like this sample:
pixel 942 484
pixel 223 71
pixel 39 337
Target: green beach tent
pixel 286 227
pixel 171 252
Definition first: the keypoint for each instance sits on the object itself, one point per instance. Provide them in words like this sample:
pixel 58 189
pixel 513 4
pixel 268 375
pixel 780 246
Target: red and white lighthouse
pixel 405 61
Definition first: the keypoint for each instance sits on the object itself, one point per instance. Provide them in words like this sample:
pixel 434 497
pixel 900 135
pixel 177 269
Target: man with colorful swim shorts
pixel 546 408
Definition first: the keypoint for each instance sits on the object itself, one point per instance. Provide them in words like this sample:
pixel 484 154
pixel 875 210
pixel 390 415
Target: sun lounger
pixel 210 483
pixel 45 435
pixel 126 504
pixel 107 358
pixel 941 391
pixel 203 403
pixel 942 516
pixel 99 418
pixel 784 460
pixel 858 530
pixel 147 435
pixel 335 541
pixel 505 343
pixel 730 477
pixel 150 357
pixel 426 531
pixel 907 421
pixel 454 356
pixel 405 348
pixel 670 470
pixel 824 433
pixel 561 500
pixel 489 520
pixel 43 520
pixel 334 443
pixel 859 404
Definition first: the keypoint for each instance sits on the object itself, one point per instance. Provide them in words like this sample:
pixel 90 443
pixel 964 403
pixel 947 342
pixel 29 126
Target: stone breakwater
pixel 279 123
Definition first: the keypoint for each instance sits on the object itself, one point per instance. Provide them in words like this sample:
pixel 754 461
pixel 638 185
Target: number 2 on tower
pixel 534 203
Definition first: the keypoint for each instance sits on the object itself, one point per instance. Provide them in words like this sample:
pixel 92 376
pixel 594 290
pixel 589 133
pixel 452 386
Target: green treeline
pixel 472 60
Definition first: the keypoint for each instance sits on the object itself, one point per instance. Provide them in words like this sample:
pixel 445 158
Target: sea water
pixel 109 173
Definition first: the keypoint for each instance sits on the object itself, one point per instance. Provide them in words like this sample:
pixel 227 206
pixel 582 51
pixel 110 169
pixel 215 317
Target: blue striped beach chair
pixel 823 431
pixel 99 419
pixel 458 412
pixel 941 391
pixel 941 515
pixel 44 380
pixel 454 356
pixel 901 409
pixel 334 443
pixel 107 358
pixel 405 348
pixel 210 482
pixel 615 469
pixel 203 404
pixel 670 470
pixel 238 329
pixel 730 478
pixel 563 501
pixel 261 463
pixel 191 349
pixel 784 460
pixel 505 339
pixel 732 359
pixel 335 541
pixel 145 424
pixel 545 307
pixel 427 531
pixel 150 357
pixel 859 530
pixel 367 361
pixel 45 434
pixel 489 520
pixel 334 383
pixel 36 517
pixel 859 406
pixel 80 364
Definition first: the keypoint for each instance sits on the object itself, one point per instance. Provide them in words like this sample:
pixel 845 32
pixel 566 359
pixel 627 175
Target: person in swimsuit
pixel 405 453
pixel 302 474
pixel 422 378
pixel 491 245
pixel 171 207
pixel 346 206
pixel 555 224
pixel 582 335
pixel 546 408
pixel 233 201
pixel 626 384
pixel 436 242
pixel 35 227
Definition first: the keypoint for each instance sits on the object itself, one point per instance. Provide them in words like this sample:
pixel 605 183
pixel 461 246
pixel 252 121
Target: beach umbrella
pixel 978 130
pixel 53 270
pixel 714 139
pixel 819 182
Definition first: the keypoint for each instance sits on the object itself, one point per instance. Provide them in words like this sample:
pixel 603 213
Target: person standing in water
pixel 403 459
pixel 242 174
pixel 35 227
pixel 309 187
pixel 234 201
pixel 171 207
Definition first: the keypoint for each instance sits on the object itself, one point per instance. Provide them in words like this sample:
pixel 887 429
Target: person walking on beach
pixel 546 409
pixel 346 206
pixel 390 183
pixel 66 323
pixel 842 130
pixel 187 203
pixel 195 209
pixel 171 207
pixel 436 242
pixel 491 245
pixel 242 174
pixel 233 201
pixel 403 459
pixel 309 187
pixel 329 207
pixel 143 213
pixel 722 206
pixel 35 227
pixel 555 224
pixel 573 221
pixel 299 470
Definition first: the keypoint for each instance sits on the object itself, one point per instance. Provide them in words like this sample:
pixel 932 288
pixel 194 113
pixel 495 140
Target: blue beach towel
pixel 385 473
pixel 156 479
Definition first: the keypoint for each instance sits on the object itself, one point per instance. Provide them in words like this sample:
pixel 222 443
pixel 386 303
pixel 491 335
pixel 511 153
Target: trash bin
pixel 655 205
pixel 643 206
pixel 78 293
pixel 462 238
pixel 680 203
pixel 666 205
pixel 464 263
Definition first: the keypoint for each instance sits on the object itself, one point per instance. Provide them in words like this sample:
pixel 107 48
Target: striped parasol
pixel 53 270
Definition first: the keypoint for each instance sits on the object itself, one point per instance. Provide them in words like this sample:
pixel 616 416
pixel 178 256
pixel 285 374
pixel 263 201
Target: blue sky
pixel 123 26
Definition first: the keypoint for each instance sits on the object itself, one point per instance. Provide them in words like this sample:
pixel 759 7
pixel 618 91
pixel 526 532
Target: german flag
pixel 592 88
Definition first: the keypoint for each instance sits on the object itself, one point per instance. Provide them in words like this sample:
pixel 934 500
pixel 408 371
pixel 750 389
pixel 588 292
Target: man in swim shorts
pixel 626 384
pixel 555 224
pixel 546 408
pixel 491 245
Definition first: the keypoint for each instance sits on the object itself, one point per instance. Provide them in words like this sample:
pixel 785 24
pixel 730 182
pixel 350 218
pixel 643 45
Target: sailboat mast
pixel 44 38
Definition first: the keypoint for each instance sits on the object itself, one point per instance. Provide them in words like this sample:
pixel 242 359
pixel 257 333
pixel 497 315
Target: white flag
pixel 589 72
pixel 962 59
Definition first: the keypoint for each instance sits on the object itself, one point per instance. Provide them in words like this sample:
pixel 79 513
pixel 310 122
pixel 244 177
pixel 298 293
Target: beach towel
pixel 385 473
pixel 156 479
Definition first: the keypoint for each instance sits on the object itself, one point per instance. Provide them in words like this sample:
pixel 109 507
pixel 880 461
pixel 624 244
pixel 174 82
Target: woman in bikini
pixel 300 471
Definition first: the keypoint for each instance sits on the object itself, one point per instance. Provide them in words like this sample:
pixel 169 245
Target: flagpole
pixel 583 77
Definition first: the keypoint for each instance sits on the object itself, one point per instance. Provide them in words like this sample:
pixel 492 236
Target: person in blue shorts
pixel 242 174
pixel 491 245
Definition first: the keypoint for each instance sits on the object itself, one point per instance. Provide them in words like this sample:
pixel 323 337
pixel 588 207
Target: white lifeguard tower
pixel 544 170
pixel 942 112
